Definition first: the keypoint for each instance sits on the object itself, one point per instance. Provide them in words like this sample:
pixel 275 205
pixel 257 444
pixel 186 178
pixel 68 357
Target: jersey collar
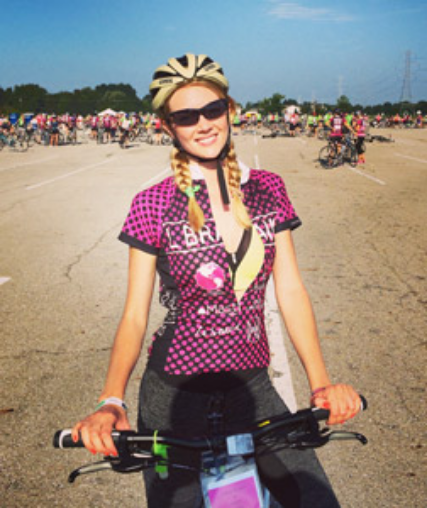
pixel 196 173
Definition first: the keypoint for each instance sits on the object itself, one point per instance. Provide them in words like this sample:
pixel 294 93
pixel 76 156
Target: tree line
pixel 277 102
pixel 33 98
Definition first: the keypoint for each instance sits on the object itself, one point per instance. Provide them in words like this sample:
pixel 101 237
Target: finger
pixel 96 438
pixel 109 446
pixel 75 432
pixel 87 439
pixel 321 402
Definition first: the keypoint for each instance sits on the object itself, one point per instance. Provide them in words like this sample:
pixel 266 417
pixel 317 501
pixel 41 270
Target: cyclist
pixel 215 231
pixel 360 125
pixel 312 123
pixel 54 130
pixel 124 125
pixel 157 131
pixel 339 126
pixel 293 123
pixel 419 120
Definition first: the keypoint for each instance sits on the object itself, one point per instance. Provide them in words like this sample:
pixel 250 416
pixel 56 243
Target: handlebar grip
pixel 323 414
pixel 63 439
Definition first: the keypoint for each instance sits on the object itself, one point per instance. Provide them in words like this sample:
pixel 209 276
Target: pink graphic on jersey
pixel 210 276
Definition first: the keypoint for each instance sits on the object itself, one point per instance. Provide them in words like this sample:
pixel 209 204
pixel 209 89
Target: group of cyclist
pixel 110 126
pixel 52 129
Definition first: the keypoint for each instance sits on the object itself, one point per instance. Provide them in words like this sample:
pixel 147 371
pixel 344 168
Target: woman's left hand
pixel 342 401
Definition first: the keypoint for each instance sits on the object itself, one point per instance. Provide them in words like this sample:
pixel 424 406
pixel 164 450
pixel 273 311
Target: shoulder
pixel 157 195
pixel 266 179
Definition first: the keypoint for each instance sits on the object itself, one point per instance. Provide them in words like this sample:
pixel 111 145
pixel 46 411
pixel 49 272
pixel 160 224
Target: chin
pixel 208 152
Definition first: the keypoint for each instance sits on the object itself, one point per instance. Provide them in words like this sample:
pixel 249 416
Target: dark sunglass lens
pixel 185 117
pixel 214 109
pixel 211 111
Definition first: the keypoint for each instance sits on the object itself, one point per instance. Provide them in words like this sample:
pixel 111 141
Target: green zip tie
pixel 191 191
pixel 160 450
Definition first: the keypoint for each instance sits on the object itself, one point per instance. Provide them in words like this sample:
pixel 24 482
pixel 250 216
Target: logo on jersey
pixel 210 276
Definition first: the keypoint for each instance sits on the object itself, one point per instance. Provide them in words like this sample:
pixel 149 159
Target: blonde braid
pixel 181 168
pixel 234 176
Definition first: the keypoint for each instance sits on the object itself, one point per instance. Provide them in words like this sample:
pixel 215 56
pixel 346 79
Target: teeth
pixel 206 141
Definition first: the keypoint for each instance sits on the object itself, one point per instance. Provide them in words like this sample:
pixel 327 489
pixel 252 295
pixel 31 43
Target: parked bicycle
pixel 228 461
pixel 17 141
pixel 336 154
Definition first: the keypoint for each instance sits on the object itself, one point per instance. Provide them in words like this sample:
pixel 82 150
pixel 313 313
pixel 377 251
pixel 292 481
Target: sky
pixel 305 49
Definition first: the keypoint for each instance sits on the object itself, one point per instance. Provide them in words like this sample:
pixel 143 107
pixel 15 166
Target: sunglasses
pixel 188 117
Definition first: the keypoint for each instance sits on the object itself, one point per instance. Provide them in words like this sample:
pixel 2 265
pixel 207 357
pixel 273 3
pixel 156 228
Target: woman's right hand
pixel 95 430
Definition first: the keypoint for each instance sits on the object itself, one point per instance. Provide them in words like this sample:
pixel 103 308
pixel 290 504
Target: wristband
pixel 113 401
pixel 317 390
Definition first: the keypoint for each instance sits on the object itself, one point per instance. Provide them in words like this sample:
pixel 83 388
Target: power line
pixel 406 94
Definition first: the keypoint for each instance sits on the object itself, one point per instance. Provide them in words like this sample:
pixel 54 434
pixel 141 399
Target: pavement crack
pixel 86 252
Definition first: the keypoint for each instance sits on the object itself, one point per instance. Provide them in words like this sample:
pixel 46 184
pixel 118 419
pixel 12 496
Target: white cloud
pixel 291 10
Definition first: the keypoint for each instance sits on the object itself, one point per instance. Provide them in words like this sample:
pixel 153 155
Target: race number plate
pixel 237 488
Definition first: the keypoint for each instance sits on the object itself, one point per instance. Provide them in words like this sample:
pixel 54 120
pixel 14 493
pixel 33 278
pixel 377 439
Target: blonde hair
pixel 181 166
pixel 183 180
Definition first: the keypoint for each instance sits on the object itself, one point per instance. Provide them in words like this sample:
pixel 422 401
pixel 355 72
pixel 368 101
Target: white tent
pixel 107 111
pixel 292 109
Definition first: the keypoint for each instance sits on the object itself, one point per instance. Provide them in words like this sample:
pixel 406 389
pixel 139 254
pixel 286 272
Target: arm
pixel 96 429
pixel 295 307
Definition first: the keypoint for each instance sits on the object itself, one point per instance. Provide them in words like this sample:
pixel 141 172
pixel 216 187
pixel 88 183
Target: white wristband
pixel 113 401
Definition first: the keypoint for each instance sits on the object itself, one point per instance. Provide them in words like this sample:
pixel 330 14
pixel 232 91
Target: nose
pixel 203 123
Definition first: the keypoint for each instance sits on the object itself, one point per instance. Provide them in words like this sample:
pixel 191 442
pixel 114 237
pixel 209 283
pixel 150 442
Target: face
pixel 206 138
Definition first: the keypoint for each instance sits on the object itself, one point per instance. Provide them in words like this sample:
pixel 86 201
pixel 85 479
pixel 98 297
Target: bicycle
pixel 15 140
pixel 228 462
pixel 332 155
pixel 100 138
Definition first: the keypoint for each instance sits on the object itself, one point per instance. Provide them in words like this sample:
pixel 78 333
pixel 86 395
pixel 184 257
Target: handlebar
pixel 302 418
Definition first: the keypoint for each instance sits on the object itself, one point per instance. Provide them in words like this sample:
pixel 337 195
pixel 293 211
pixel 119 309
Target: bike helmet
pixel 185 69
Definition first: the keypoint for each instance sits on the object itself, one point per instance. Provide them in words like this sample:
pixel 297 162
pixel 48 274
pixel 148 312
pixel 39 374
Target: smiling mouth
pixel 209 140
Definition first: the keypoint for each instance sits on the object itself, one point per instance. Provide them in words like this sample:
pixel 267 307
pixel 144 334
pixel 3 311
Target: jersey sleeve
pixel 286 217
pixel 142 225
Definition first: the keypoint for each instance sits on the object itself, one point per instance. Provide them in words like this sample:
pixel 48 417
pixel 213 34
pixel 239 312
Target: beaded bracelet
pixel 113 401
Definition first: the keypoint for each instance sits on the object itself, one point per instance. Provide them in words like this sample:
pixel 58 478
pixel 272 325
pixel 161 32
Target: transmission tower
pixel 406 94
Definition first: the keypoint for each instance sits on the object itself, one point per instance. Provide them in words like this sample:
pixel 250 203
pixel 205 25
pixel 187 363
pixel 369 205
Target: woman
pixel 214 232
pixel 360 125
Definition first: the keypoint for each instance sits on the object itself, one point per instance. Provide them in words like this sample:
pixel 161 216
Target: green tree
pixel 344 104
pixel 273 104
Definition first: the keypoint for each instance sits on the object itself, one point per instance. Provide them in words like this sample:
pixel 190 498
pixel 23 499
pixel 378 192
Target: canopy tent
pixel 292 109
pixel 108 111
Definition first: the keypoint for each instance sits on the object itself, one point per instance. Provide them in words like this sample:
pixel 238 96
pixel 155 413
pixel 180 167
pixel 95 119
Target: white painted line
pixel 62 177
pixel 255 139
pixel 256 158
pixel 31 163
pixel 376 180
pixel 155 178
pixel 423 161
pixel 303 141
pixel 282 378
pixel 3 280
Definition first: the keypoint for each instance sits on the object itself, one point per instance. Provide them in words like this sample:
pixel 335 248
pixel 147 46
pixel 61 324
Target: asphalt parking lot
pixel 362 251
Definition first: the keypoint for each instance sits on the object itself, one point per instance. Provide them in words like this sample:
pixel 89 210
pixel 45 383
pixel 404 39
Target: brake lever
pixel 337 435
pixel 90 468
